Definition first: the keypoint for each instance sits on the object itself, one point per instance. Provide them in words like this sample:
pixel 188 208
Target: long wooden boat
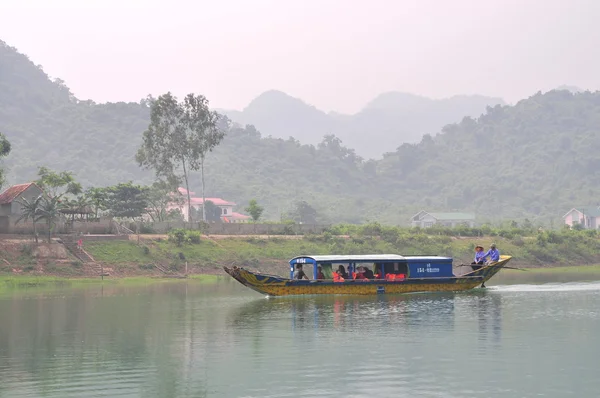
pixel 396 274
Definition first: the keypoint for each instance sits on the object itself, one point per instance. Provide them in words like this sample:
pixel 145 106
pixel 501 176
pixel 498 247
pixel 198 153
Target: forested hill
pixel 534 160
pixel 539 157
pixel 47 125
pixel 382 125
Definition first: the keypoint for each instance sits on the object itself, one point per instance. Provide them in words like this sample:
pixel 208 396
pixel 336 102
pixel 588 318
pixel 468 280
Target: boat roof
pixel 356 258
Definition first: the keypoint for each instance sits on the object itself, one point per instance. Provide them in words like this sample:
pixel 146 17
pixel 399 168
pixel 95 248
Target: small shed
pixel 425 219
pixel 10 209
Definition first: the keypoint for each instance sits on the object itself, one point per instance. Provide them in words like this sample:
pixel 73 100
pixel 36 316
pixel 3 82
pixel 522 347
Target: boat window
pixel 396 268
pixel 327 270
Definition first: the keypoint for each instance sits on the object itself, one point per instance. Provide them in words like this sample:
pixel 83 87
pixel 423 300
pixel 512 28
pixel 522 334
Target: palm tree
pixel 50 211
pixel 31 211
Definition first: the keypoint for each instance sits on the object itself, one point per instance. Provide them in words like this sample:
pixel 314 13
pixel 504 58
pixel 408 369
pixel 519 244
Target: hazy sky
pixel 334 54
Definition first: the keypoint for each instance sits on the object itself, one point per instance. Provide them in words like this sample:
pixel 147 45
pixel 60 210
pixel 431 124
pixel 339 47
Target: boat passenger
pixel 342 272
pixel 360 273
pixel 299 273
pixel 493 254
pixel 320 274
pixel 368 273
pixel 478 261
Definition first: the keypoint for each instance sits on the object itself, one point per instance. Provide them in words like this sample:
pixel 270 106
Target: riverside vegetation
pixel 206 255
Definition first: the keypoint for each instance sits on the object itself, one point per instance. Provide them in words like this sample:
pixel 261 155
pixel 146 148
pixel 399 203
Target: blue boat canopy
pixel 362 258
pixel 414 266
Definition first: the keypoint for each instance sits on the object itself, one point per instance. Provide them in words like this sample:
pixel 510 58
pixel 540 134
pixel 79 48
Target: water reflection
pixel 195 340
pixel 348 312
pixel 488 308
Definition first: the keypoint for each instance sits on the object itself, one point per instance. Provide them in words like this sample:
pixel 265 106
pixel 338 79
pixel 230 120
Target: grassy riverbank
pixel 12 282
pixel 531 249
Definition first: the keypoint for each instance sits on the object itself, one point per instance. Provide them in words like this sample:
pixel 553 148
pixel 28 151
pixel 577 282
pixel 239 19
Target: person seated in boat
pixel 368 273
pixel 493 254
pixel 360 273
pixel 320 274
pixel 299 273
pixel 478 261
pixel 378 271
pixel 342 272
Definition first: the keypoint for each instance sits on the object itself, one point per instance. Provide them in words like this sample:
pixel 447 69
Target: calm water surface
pixel 220 340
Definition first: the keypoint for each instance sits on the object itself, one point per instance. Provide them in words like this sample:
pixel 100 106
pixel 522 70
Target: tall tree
pixel 127 200
pixel 57 183
pixel 4 151
pixel 212 212
pixel 168 146
pixel 162 195
pixel 50 211
pixel 303 213
pixel 255 210
pixel 30 210
pixel 97 197
pixel 207 131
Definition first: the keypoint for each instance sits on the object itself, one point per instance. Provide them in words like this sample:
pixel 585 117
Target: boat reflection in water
pixel 348 312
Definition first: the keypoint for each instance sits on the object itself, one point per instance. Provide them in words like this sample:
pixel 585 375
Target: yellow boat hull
pixel 276 286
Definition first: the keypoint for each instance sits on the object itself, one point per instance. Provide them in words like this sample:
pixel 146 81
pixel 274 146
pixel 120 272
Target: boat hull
pixel 276 286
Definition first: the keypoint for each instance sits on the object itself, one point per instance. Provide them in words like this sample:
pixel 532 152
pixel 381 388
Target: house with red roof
pixel 10 209
pixel 228 215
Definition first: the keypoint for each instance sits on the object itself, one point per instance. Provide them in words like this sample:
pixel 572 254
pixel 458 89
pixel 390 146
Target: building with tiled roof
pixel 588 217
pixel 10 208
pixel 227 213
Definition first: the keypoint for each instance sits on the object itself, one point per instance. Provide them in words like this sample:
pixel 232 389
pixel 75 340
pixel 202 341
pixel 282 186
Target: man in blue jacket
pixel 493 254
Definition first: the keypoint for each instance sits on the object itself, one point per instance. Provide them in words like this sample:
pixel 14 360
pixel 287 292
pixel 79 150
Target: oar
pixel 505 267
pixel 518 269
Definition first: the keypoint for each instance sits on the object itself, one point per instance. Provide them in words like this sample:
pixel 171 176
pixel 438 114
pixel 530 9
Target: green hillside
pixel 534 160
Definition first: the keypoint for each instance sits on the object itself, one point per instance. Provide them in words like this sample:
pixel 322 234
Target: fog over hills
pixel 384 123
pixel 535 159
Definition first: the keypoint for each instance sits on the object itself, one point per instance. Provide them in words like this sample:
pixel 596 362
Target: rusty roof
pixel 13 193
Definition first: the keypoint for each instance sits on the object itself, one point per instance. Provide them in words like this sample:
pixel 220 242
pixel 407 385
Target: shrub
pixel 145 250
pixel 193 236
pixel 288 230
pixel 26 249
pixel 147 229
pixel 518 241
pixel 77 263
pixel 177 235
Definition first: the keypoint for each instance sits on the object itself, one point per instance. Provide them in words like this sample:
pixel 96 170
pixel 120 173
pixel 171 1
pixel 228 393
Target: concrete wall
pixel 447 223
pixel 240 228
pixel 103 226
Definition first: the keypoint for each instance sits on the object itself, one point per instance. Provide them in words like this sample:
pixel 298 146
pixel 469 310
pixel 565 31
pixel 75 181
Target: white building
pixel 227 213
pixel 424 219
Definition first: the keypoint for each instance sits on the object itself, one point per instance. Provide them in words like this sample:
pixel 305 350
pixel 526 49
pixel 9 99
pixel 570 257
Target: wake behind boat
pixel 392 274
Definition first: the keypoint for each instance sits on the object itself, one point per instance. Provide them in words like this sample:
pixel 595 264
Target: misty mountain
pixel 384 124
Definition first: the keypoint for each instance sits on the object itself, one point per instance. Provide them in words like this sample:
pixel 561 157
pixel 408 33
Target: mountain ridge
pixel 384 123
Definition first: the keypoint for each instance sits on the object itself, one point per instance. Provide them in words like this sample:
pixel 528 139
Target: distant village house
pixel 10 209
pixel 227 213
pixel 587 217
pixel 425 219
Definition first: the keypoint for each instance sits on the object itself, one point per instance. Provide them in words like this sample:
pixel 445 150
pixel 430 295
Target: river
pixel 190 339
